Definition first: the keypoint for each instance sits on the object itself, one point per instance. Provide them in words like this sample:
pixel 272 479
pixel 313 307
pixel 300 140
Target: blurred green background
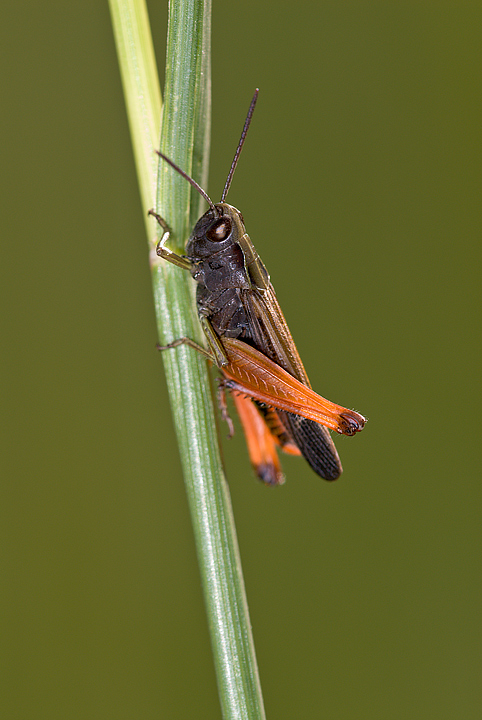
pixel 360 186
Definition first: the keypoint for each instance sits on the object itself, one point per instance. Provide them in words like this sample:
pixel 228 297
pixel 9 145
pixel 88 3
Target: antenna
pixel 240 146
pixel 190 180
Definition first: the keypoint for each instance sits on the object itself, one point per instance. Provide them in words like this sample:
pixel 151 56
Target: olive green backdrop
pixel 360 186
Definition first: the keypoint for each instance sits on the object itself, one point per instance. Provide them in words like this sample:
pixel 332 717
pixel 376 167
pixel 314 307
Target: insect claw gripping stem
pixel 160 220
pixel 223 407
pixel 190 343
pixel 164 252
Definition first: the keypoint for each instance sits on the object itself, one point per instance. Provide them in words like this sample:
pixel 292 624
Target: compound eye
pixel 219 230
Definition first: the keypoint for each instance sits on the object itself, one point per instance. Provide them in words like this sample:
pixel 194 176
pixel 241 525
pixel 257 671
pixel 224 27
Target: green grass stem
pixel 185 138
